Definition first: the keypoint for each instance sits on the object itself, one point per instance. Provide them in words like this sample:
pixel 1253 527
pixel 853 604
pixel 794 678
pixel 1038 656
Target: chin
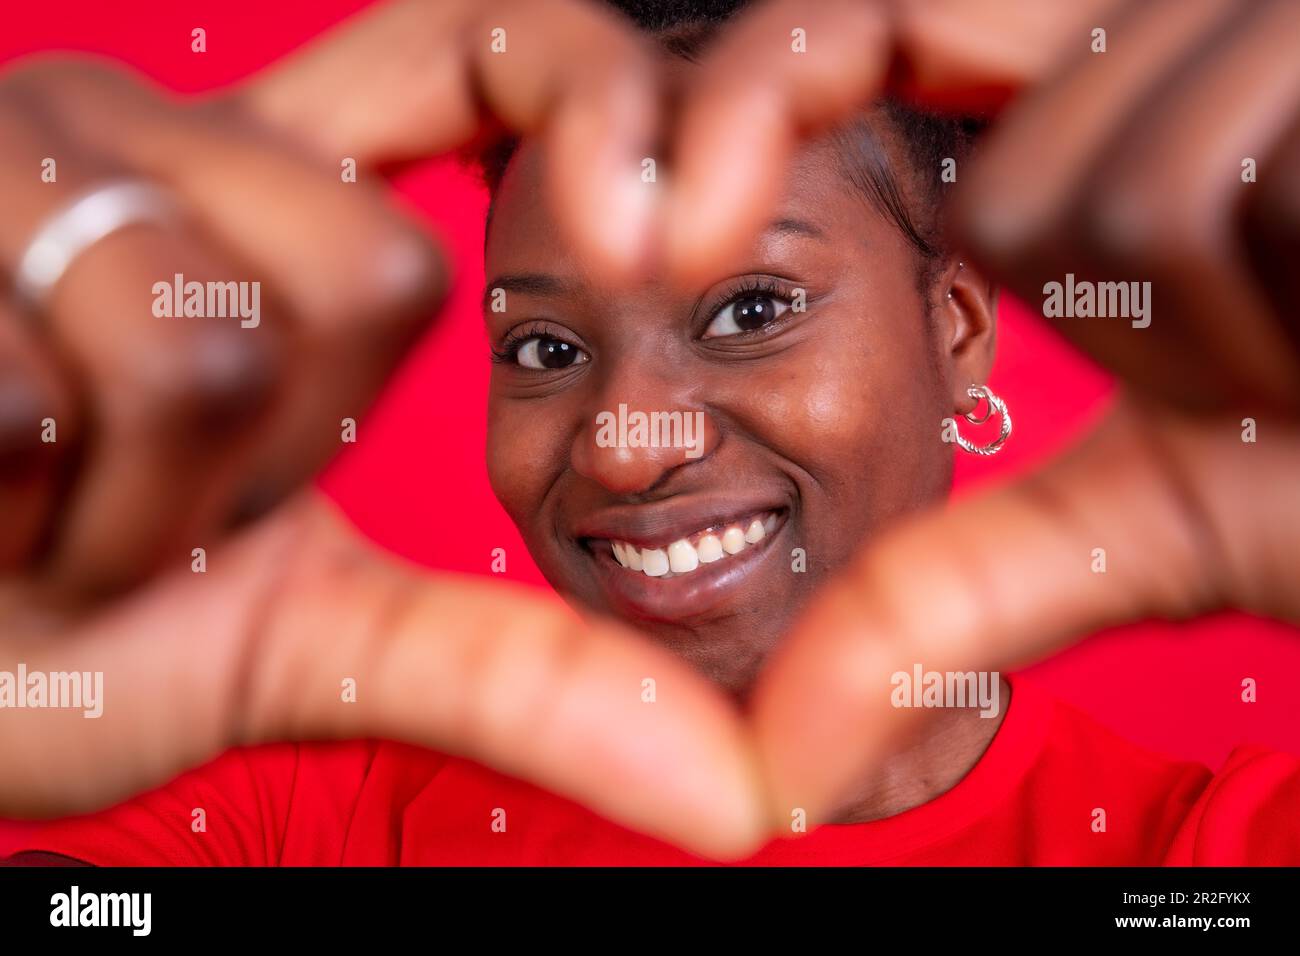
pixel 728 650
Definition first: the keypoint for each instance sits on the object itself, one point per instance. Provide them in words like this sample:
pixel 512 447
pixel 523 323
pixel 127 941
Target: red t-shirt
pixel 1032 799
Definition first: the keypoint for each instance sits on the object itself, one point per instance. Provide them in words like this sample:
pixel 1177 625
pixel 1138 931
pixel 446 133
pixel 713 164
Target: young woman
pixel 819 370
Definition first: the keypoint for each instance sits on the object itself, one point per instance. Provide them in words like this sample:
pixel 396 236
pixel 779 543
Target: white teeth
pixel 655 561
pixel 682 557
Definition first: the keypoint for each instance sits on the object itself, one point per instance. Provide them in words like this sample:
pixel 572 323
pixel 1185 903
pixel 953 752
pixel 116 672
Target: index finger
pixel 788 69
pixel 420 77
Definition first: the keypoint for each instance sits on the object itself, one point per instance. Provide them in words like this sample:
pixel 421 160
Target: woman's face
pixel 805 426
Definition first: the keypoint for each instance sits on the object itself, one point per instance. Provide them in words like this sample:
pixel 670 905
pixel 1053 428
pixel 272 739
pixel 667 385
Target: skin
pixel 343 304
pixel 1194 518
pixel 1126 164
pixel 98 527
pixel 846 437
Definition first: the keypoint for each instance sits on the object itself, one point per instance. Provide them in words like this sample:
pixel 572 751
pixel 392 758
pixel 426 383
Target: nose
pixel 639 429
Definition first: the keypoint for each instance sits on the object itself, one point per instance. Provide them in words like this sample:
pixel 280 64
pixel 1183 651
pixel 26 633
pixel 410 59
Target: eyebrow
pixel 797 227
pixel 527 283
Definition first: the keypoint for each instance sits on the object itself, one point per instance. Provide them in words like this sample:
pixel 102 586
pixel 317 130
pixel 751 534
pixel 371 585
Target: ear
pixel 966 322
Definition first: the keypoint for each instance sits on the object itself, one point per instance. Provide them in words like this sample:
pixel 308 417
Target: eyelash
pixel 750 287
pixel 754 286
pixel 508 350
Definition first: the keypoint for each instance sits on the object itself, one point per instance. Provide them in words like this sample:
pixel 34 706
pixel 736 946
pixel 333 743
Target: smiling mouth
pixel 704 547
pixel 682 577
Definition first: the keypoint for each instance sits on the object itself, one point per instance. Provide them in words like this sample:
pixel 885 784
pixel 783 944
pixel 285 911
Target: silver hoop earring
pixel 995 404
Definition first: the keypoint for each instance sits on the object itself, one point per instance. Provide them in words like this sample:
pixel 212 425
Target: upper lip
pixel 658 524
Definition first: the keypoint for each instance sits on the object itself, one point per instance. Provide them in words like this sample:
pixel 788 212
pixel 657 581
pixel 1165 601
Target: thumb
pixel 1187 518
pixel 262 647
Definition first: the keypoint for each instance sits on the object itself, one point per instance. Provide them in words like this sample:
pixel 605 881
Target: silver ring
pixel 70 231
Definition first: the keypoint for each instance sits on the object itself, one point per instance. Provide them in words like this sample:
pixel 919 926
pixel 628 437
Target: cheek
pixel 860 410
pixel 855 394
pixel 814 409
pixel 841 419
pixel 520 452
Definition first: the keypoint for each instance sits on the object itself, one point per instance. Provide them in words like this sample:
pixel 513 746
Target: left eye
pixel 547 352
pixel 745 314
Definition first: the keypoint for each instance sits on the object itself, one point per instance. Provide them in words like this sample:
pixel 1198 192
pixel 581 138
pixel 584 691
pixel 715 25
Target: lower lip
pixel 682 596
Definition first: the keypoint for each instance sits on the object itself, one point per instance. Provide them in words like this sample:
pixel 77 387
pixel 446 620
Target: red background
pixel 416 481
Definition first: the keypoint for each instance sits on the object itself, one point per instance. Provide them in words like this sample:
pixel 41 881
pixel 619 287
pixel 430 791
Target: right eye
pixel 548 352
pixel 746 313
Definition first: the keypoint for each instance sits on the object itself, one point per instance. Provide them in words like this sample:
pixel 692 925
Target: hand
pixel 1143 181
pixel 251 169
pixel 698 751
pixel 754 97
pixel 167 429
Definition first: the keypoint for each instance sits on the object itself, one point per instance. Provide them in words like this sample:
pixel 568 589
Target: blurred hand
pixel 1117 166
pixel 178 426
pixel 1191 517
pixel 169 430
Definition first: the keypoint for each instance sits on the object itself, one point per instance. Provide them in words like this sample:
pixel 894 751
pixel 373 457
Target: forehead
pixel 524 230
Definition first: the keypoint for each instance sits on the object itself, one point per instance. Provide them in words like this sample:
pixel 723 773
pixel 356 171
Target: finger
pixel 175 400
pixel 788 69
pixel 300 606
pixel 335 248
pixel 1138 214
pixel 359 278
pixel 752 97
pixel 441 69
pixel 1148 190
pixel 1185 522
pixel 977 54
pixel 1014 198
pixel 178 403
pixel 38 429
pixel 1270 230
pixel 387 85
